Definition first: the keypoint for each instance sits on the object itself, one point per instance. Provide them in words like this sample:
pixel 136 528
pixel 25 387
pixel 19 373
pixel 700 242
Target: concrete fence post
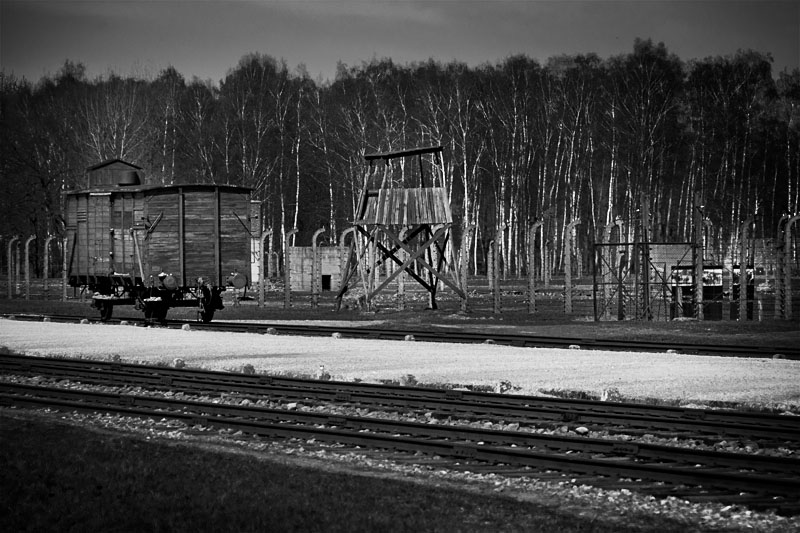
pixel 743 268
pixel 316 285
pixel 18 271
pixel 262 274
pixel 64 269
pixel 11 248
pixel 46 286
pixel 778 270
pixel 28 266
pixel 464 265
pixel 497 307
pixel 490 265
pixel 287 271
pixel 568 265
pixel 344 255
pixel 699 256
pixel 532 266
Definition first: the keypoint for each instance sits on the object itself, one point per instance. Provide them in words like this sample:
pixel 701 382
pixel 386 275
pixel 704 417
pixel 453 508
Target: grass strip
pixel 57 476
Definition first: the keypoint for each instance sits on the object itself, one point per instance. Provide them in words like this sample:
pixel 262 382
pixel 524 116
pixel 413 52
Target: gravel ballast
pixel 665 376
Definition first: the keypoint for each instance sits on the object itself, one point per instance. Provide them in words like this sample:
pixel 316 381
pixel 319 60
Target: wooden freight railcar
pixel 156 247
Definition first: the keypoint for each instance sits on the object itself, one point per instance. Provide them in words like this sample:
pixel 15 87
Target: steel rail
pixel 469 337
pixel 764 476
pixel 699 422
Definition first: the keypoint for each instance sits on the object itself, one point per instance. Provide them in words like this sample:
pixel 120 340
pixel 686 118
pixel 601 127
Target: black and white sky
pixel 206 38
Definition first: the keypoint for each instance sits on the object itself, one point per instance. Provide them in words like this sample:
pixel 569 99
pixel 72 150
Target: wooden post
pixel 532 266
pixel 28 266
pixel 373 275
pixel 287 271
pixel 11 245
pixel 401 278
pixel 568 265
pixel 699 254
pixel 743 268
pixel 432 257
pixel 261 272
pixel 315 269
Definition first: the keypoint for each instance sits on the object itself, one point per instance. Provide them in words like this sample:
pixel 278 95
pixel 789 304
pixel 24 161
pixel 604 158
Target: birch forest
pixel 577 136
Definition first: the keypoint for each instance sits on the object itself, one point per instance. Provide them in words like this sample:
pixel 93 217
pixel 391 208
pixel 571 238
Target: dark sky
pixel 206 38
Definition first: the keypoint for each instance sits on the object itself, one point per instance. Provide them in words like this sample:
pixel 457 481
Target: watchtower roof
pixel 406 207
pixel 403 153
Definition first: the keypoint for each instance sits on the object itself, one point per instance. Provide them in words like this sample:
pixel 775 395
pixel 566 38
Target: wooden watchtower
pixel 403 217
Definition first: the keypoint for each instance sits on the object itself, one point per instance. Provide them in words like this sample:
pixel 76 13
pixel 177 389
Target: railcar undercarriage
pixel 154 301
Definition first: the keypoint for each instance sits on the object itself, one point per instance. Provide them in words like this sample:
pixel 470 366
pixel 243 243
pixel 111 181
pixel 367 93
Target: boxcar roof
pixel 160 188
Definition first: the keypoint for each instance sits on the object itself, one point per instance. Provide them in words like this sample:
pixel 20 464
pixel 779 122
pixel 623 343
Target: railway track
pixel 672 422
pixel 460 336
pixel 759 481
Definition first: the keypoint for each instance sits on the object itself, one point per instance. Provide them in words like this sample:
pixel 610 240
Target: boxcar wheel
pixel 106 310
pixel 206 315
pixel 160 314
pixel 156 313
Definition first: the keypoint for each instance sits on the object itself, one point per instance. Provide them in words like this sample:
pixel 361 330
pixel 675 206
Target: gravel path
pixel 692 379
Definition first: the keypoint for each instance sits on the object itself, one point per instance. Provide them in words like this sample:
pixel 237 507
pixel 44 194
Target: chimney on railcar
pixel 113 173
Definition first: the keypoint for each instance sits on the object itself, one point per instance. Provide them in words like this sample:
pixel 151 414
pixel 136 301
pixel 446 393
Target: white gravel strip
pixel 655 375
